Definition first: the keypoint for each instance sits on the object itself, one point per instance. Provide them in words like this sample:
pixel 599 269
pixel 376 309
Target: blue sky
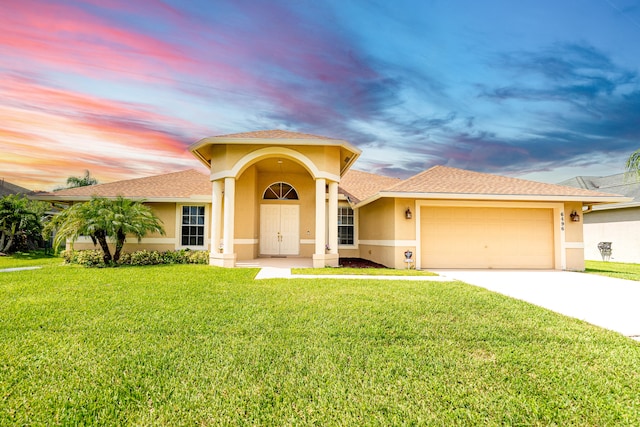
pixel 542 90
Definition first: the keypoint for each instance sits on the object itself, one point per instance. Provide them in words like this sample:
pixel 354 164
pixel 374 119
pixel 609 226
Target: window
pixel 280 191
pixel 193 226
pixel 345 225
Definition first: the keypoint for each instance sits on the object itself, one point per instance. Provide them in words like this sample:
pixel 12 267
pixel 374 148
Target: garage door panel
pixel 465 237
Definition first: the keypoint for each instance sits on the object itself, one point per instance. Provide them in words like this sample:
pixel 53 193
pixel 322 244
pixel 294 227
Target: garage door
pixel 461 237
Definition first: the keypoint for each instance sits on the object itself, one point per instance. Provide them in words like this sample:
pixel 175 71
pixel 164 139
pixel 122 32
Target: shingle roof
pixel 443 179
pixel 7 188
pixel 358 185
pixel 271 134
pixel 177 185
pixel 621 183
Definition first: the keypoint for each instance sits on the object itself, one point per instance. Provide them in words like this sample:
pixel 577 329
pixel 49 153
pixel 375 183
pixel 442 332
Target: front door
pixel 279 229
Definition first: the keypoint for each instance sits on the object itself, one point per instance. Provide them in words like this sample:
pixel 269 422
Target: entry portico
pixel 274 193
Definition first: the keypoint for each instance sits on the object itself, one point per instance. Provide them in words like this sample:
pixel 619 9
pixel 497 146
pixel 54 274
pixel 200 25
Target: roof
pixel 7 188
pixel 274 137
pixel 621 183
pixel 451 183
pixel 273 134
pixel 358 185
pixel 186 185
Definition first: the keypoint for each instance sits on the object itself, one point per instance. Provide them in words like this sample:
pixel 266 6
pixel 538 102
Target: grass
pixel 360 271
pixel 29 259
pixel 614 269
pixel 197 345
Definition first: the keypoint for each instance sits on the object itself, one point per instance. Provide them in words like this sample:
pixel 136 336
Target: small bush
pixel 87 258
pixel 198 257
pixel 145 257
pixel 93 257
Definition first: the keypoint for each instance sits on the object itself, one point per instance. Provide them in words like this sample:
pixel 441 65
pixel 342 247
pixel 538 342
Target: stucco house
pixel 287 194
pixel 615 223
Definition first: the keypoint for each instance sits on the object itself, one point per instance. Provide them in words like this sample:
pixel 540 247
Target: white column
pixel 216 216
pixel 333 217
pixel 320 216
pixel 229 205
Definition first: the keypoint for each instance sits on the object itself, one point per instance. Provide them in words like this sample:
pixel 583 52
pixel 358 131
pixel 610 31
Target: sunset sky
pixel 542 89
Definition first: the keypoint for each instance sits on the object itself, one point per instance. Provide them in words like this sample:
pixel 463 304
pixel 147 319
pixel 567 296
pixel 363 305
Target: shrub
pixel 94 257
pixel 176 257
pixel 87 258
pixel 145 257
pixel 198 257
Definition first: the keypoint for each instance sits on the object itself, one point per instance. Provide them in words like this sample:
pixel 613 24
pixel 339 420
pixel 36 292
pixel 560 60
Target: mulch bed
pixel 359 263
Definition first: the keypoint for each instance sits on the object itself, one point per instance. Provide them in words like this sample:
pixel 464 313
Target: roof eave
pixel 496 197
pixel 195 198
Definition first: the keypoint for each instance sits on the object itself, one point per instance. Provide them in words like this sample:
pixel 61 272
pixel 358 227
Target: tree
pixel 103 220
pixel 20 223
pixel 632 165
pixel 81 181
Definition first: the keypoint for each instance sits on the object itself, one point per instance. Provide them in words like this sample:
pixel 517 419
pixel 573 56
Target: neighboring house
pixel 7 188
pixel 287 194
pixel 616 223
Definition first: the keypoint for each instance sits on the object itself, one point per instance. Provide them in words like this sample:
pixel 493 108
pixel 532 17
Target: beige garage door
pixel 461 237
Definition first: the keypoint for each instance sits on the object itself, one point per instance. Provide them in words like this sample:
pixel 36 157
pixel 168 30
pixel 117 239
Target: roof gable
pixel 358 185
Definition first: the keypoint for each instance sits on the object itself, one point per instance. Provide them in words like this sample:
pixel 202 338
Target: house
pixel 287 194
pixel 615 223
pixel 7 188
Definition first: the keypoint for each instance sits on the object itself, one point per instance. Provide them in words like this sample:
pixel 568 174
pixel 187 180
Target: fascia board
pixel 197 199
pixel 497 197
pixel 611 206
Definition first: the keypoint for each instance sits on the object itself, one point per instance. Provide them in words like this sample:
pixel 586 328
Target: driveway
pixel 603 301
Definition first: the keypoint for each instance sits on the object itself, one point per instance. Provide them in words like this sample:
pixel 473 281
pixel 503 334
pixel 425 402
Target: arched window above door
pixel 280 191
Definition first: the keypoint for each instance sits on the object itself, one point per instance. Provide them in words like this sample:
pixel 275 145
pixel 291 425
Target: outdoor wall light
pixel 575 216
pixel 407 213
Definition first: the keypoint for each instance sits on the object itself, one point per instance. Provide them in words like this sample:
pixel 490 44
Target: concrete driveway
pixel 603 301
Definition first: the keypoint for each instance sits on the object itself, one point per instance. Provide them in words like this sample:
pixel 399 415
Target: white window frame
pixel 207 237
pixel 354 245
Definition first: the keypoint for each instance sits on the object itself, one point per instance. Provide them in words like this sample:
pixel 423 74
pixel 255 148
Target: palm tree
pixel 632 166
pixel 105 219
pixel 81 181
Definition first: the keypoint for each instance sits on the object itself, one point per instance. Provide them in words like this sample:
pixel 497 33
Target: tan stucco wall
pixel 377 220
pixel 325 158
pixel 574 240
pixel 384 232
pixel 168 214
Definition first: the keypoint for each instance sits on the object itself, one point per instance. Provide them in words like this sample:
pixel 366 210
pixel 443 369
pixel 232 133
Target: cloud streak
pixel 122 88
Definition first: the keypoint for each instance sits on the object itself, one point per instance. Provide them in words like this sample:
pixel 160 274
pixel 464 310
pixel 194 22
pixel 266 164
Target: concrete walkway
pixel 603 301
pixel 6 270
pixel 285 273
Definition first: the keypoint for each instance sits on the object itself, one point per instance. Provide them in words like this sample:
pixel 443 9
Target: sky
pixel 543 90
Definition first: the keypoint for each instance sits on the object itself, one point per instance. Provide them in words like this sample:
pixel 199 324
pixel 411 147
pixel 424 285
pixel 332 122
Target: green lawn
pixel 28 259
pixel 198 345
pixel 614 269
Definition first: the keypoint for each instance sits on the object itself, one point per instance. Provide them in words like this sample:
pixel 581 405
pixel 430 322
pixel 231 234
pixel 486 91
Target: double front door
pixel 279 229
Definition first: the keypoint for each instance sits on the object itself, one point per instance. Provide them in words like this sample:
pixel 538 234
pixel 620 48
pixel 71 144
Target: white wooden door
pixel 279 229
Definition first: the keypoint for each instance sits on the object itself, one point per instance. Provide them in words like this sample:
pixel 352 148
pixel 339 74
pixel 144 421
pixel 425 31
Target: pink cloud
pixel 51 133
